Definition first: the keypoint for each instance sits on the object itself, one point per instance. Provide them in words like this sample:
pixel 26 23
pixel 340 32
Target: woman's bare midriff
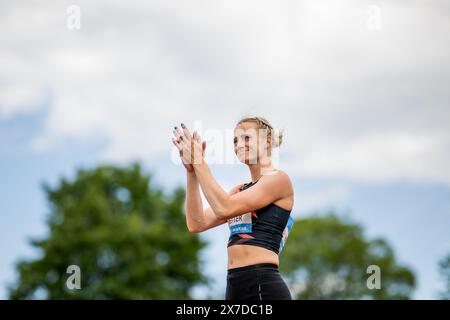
pixel 243 255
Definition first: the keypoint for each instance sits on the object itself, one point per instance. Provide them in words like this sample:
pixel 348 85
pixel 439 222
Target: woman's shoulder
pixel 286 202
pixel 277 175
pixel 280 180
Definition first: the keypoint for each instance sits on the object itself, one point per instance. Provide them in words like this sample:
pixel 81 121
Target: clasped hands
pixel 190 147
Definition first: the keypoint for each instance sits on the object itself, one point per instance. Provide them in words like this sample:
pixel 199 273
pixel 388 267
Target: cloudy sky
pixel 361 89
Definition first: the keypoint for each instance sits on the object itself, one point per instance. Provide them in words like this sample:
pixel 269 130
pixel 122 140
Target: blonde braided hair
pixel 276 135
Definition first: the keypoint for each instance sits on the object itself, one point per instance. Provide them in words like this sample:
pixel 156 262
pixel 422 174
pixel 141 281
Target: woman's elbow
pixel 223 214
pixel 195 229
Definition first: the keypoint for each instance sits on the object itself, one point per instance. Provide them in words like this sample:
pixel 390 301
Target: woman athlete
pixel 257 212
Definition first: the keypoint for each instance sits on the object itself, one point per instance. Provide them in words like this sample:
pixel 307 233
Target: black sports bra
pixel 267 227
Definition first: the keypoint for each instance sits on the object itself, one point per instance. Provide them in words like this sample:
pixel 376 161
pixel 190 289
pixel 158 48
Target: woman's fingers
pixel 178 133
pixel 197 137
pixel 203 143
pixel 177 144
pixel 185 153
pixel 183 142
pixel 185 130
pixel 190 146
pixel 197 148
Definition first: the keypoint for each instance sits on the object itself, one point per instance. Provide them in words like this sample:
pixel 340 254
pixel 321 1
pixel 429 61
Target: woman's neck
pixel 257 170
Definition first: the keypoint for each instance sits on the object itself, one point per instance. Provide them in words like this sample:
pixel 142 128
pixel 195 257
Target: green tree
pixel 326 257
pixel 444 268
pixel 129 240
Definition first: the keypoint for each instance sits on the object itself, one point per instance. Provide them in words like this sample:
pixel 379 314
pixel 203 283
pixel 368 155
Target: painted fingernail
pixel 175 127
pixel 182 124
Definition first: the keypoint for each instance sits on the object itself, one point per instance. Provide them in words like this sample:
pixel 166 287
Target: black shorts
pixel 256 282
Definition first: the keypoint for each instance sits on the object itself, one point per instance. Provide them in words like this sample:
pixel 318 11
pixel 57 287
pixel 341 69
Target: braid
pixel 262 123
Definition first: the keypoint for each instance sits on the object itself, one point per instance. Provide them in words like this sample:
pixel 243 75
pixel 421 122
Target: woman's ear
pixel 269 142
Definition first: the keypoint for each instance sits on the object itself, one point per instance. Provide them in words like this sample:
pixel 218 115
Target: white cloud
pixel 20 97
pixel 312 201
pixel 369 105
pixel 376 158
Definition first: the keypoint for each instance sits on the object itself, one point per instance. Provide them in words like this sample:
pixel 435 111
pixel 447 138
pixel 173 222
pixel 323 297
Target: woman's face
pixel 246 142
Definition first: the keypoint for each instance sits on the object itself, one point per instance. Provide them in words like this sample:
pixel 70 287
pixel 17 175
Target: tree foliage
pixel 444 268
pixel 128 238
pixel 326 257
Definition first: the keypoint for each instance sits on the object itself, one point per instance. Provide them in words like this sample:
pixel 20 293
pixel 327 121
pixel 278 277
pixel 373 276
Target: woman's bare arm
pixel 197 218
pixel 225 206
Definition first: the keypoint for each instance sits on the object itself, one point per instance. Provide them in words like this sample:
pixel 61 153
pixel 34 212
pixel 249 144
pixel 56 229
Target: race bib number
pixel 241 224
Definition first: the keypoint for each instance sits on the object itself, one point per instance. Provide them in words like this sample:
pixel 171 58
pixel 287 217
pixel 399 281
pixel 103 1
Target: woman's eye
pixel 247 138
